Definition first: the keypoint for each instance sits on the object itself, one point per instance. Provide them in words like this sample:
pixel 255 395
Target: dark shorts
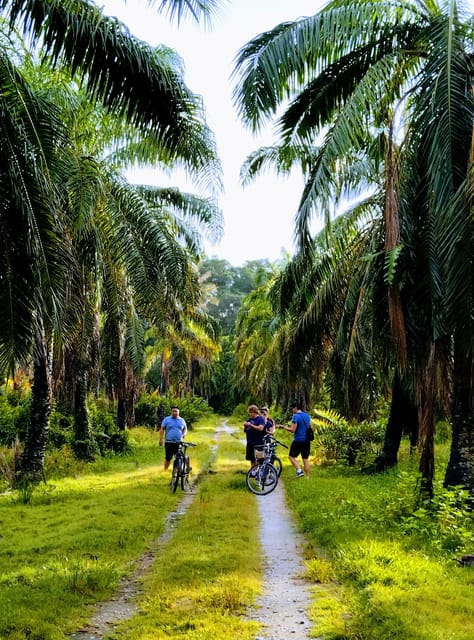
pixel 250 452
pixel 300 448
pixel 170 449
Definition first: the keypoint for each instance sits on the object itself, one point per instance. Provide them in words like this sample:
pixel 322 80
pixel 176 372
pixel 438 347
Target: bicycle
pixel 272 443
pixel 181 468
pixel 263 478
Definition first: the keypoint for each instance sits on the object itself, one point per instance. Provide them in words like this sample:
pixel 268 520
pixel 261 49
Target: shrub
pixel 108 436
pixel 240 413
pixel 14 417
pixel 60 429
pixel 443 432
pixel 339 440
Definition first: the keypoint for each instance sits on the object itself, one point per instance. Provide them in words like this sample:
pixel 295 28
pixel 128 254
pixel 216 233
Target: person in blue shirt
pixel 173 429
pixel 300 445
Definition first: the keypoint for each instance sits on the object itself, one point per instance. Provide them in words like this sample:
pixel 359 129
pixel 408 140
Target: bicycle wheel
pixel 265 480
pixel 185 484
pixel 276 462
pixel 184 475
pixel 175 476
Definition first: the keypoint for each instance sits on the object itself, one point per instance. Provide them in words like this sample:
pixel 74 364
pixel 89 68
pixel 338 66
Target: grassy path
pixel 208 573
pixel 67 551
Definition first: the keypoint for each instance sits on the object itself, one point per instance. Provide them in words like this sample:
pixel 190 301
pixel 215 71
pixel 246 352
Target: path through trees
pixel 282 607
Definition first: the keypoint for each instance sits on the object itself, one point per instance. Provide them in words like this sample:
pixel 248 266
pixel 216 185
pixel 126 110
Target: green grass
pixel 394 563
pixel 69 546
pixel 380 566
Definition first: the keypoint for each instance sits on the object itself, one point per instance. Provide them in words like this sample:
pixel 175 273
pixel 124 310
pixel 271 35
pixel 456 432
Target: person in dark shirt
pixel 269 422
pixel 254 428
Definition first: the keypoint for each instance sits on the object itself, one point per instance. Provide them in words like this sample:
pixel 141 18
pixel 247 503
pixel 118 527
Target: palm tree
pixel 133 81
pixel 355 69
pixel 132 245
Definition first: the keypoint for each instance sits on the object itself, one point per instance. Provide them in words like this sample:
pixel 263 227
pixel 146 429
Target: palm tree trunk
pixel 426 395
pixel 37 435
pixel 85 447
pixel 403 418
pixel 126 395
pixel 460 469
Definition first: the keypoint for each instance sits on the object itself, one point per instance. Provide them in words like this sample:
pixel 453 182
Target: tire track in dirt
pixel 126 602
pixel 282 607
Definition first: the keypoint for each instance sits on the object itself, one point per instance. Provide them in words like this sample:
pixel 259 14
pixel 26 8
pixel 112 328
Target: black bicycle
pixel 263 478
pixel 181 468
pixel 272 443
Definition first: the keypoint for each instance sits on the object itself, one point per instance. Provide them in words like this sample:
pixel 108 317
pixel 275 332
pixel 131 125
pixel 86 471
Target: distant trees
pixel 227 288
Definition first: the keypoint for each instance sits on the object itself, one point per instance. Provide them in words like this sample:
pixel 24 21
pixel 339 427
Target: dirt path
pixel 126 601
pixel 282 608
pixel 286 598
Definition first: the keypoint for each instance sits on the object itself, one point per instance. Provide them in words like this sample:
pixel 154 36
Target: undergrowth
pixel 395 561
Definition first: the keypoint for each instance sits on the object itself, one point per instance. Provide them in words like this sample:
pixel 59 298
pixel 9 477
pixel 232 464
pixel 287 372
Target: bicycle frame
pixel 271 444
pixel 181 467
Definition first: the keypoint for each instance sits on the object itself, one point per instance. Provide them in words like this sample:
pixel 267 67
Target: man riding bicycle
pixel 173 429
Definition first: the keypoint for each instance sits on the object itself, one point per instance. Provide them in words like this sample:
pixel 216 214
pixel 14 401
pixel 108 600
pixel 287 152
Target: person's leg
pixel 293 456
pixel 170 450
pixel 250 455
pixel 307 467
pixel 305 451
pixel 294 462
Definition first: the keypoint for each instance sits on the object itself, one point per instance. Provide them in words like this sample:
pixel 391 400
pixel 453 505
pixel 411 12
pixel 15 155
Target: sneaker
pixel 300 474
pixel 253 473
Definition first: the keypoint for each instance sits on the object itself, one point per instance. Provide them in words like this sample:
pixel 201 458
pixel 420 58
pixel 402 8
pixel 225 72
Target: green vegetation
pixel 381 564
pixel 108 309
pixel 394 562
pixel 69 546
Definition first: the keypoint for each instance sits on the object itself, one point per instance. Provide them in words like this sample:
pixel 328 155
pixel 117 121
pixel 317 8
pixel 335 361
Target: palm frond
pixel 141 83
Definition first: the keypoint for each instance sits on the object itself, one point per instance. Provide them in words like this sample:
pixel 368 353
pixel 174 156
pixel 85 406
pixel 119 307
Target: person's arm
pixel 162 434
pixel 291 428
pixel 258 427
pixel 184 429
pixel 271 427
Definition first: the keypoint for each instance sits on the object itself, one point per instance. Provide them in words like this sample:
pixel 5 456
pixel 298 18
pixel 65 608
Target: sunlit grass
pixel 210 573
pixel 377 568
pixel 393 564
pixel 69 546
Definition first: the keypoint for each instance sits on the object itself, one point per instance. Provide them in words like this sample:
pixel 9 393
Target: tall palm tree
pixel 132 245
pixel 358 68
pixel 133 81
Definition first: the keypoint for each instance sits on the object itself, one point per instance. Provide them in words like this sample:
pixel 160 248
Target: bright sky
pixel 258 219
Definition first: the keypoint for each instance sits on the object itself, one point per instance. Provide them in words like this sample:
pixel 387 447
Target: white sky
pixel 258 219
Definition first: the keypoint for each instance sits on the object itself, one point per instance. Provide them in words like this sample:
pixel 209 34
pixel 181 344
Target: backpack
pixel 309 433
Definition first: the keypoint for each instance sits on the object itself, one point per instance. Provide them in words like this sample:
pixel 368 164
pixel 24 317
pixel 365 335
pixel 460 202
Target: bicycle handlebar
pixel 271 437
